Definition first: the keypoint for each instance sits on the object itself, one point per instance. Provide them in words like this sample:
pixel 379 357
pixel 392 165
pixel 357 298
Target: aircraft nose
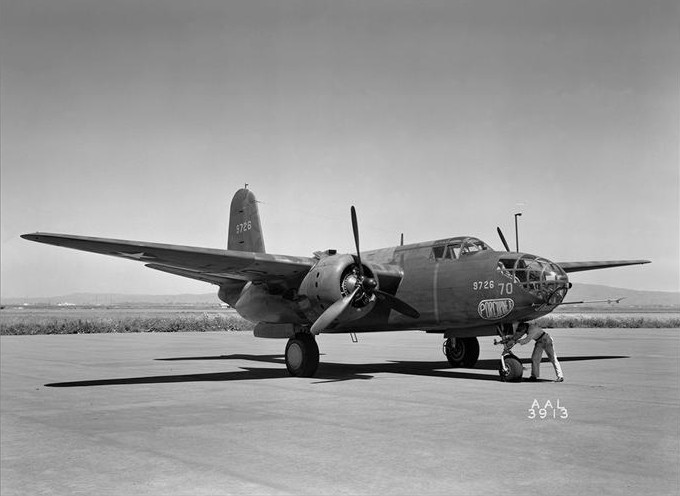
pixel 554 282
pixel 543 279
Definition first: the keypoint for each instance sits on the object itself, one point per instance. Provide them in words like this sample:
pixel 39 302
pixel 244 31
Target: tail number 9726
pixel 243 227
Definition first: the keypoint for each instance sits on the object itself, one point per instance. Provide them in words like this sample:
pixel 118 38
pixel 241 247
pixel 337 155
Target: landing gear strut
pixel 461 352
pixel 302 355
pixel 510 367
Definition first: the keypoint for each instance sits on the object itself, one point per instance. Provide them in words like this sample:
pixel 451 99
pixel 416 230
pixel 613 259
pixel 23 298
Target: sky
pixel 139 119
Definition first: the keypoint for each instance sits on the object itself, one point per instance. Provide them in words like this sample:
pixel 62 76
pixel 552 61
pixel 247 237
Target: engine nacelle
pixel 331 279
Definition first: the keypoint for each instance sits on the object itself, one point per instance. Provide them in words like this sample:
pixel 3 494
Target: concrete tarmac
pixel 217 413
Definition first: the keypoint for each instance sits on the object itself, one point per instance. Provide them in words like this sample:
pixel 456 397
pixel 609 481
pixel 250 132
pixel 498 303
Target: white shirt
pixel 532 332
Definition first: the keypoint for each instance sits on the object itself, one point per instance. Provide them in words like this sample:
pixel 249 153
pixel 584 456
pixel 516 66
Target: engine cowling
pixel 333 278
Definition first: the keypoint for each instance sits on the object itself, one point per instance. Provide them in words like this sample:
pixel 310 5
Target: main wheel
pixel 462 352
pixel 302 355
pixel 513 371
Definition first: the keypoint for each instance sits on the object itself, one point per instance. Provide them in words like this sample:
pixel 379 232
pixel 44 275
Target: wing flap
pixel 207 264
pixel 583 266
pixel 195 274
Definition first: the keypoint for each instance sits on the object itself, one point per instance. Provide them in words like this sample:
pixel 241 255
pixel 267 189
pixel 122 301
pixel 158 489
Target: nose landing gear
pixel 510 367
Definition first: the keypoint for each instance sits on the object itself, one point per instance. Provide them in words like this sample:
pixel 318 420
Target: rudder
pixel 245 231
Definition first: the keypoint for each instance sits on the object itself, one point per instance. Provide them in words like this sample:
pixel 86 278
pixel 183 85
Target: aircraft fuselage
pixel 455 284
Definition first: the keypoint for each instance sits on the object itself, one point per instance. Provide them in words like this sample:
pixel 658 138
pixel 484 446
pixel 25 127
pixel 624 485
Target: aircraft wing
pixel 582 266
pixel 205 264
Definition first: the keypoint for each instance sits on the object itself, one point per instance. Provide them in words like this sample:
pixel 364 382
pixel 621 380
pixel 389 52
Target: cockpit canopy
pixel 541 277
pixel 454 248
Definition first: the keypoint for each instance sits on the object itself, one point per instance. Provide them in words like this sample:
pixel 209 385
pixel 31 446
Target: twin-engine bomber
pixel 458 287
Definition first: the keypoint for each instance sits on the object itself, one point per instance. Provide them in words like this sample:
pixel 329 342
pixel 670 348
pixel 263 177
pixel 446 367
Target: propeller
pixel 366 285
pixel 398 305
pixel 370 285
pixel 333 312
pixel 505 243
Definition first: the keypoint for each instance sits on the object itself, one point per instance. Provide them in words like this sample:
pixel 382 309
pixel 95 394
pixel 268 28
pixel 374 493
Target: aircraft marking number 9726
pixel 243 227
pixel 477 285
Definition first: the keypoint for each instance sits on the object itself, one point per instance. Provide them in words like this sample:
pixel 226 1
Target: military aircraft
pixel 458 287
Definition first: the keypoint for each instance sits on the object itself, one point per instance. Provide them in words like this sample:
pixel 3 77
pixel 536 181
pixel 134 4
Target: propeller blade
pixel 333 312
pixel 505 243
pixel 355 229
pixel 370 285
pixel 398 305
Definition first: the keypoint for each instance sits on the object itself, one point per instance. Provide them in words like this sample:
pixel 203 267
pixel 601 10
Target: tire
pixel 464 353
pixel 302 355
pixel 515 369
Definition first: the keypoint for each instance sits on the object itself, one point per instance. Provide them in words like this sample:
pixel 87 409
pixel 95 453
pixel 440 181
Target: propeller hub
pixel 357 279
pixel 369 284
pixel 349 284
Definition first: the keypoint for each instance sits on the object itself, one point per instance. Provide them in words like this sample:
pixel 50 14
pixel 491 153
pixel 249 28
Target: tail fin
pixel 245 232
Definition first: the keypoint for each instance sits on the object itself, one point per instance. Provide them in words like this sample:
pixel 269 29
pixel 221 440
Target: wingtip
pixel 37 236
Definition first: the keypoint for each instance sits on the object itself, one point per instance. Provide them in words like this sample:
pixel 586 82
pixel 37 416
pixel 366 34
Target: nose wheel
pixel 510 368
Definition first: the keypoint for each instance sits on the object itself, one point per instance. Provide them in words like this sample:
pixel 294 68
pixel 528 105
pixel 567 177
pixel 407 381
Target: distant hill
pixel 580 292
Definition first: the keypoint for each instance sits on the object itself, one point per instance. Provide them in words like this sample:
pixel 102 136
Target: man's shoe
pixel 532 379
pixel 559 379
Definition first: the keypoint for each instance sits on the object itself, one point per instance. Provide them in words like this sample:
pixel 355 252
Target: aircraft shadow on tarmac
pixel 327 372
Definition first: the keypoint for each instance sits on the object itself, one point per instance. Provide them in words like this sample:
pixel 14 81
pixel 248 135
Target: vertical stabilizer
pixel 245 232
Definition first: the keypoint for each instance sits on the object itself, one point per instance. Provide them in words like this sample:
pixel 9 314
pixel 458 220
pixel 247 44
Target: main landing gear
pixel 461 352
pixel 302 355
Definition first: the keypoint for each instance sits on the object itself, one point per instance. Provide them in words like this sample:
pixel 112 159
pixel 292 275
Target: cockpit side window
pixel 456 247
pixel 473 245
pixel 437 252
pixel 453 251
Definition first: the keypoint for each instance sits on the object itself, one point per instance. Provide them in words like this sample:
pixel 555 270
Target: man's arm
pixel 516 337
pixel 533 331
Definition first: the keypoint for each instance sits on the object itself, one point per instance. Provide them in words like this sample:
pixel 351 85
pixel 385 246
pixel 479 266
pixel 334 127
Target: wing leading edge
pixel 204 264
pixel 583 266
